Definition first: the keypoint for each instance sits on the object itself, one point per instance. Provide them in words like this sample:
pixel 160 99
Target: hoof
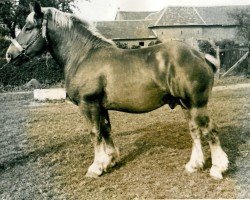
pixel 94 171
pixel 219 165
pixel 216 173
pixel 224 163
pixel 191 168
pixel 91 175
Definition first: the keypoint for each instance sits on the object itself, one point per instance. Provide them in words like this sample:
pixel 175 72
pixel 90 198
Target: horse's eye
pixel 28 29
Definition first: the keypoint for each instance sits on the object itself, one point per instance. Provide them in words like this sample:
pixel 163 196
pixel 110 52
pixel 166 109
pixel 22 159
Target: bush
pixel 152 43
pixel 206 47
pixel 226 44
pixel 3 46
pixel 122 45
pixel 36 68
pixel 135 47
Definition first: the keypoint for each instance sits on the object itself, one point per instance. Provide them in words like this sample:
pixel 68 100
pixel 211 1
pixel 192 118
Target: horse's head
pixel 31 41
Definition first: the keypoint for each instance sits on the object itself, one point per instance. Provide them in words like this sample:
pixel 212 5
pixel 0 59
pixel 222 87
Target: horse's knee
pixel 202 122
pixel 95 135
pixel 106 129
pixel 210 133
pixel 194 130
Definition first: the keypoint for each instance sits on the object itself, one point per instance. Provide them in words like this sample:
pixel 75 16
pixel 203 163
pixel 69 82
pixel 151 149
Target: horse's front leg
pixel 105 153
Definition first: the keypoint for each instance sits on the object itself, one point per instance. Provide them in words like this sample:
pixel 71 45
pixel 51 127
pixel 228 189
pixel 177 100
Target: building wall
pixel 177 33
pixel 187 33
pixel 220 33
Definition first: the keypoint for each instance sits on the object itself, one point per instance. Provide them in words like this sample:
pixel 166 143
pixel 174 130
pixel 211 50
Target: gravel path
pixel 20 175
pixel 242 175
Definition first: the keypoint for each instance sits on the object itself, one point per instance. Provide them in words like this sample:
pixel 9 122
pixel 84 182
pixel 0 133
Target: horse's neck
pixel 68 49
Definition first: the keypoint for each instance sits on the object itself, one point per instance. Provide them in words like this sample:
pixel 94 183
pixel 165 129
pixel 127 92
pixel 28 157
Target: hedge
pixel 37 68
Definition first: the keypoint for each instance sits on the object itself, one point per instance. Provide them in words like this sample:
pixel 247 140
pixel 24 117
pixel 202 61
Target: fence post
pixel 248 66
pixel 218 58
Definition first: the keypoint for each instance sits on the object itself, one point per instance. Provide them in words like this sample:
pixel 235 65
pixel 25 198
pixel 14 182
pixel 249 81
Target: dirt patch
pixel 231 80
pixel 154 149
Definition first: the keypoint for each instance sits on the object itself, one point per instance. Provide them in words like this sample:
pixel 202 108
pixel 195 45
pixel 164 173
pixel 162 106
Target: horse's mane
pixel 69 21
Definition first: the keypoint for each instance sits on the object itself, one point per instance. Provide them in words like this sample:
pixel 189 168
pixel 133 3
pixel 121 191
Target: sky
pixel 105 10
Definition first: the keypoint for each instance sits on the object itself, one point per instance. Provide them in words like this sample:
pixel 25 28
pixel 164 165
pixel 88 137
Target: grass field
pixel 154 149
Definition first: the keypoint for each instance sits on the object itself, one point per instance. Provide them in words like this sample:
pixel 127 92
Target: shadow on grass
pixel 170 135
pixel 232 137
pixel 33 155
pixel 176 136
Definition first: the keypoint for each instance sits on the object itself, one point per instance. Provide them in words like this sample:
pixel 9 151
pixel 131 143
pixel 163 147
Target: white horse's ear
pixel 31 8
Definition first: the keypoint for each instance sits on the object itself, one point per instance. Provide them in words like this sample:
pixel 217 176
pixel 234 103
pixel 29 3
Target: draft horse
pixel 100 77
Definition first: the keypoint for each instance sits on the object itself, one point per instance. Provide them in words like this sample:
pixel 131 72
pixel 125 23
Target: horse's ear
pixel 38 10
pixel 31 8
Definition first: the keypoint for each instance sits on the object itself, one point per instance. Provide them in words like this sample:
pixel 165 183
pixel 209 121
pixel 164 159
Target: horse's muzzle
pixel 15 57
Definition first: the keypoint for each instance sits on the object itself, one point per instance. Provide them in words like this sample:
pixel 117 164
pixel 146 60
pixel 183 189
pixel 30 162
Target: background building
pixel 188 24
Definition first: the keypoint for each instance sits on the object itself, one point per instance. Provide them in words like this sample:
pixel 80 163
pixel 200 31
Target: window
pixel 181 32
pixel 141 44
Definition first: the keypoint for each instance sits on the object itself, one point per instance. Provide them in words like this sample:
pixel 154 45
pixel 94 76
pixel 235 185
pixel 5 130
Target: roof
pixel 155 15
pixel 125 29
pixel 132 15
pixel 220 15
pixel 179 16
pixel 217 15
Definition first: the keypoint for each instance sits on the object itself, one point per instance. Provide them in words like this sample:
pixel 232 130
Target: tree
pixel 7 15
pixel 13 13
pixel 242 18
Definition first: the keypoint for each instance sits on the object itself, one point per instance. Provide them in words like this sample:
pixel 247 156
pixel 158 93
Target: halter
pixel 23 50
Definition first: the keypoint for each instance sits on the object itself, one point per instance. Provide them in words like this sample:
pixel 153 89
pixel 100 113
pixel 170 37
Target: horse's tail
pixel 214 62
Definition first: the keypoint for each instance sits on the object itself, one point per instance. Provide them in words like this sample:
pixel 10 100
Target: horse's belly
pixel 135 101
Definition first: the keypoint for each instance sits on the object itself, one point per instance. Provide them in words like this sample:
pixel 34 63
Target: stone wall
pixel 189 33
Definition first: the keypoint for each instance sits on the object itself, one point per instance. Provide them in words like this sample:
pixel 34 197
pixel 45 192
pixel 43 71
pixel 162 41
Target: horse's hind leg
pixel 201 124
pixel 105 153
pixel 197 158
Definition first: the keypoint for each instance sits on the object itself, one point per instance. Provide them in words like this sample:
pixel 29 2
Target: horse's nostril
pixel 8 56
